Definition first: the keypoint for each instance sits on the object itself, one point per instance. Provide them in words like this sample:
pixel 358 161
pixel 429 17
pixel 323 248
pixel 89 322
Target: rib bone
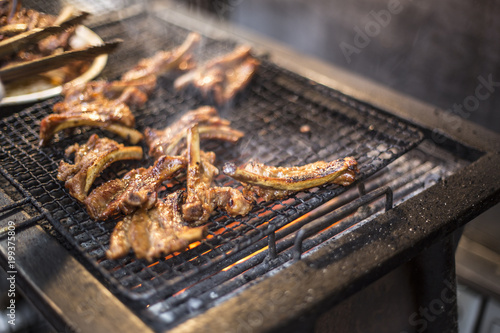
pixel 91 159
pixel 277 182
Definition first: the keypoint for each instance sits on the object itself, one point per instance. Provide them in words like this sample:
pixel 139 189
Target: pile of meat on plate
pixel 152 226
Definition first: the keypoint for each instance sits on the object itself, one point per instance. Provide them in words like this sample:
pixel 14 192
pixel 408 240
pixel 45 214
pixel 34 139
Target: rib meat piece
pixel 91 159
pixel 203 199
pixel 107 104
pixel 222 77
pixel 135 85
pixel 170 140
pixel 131 93
pixel 180 58
pixel 156 232
pixel 277 182
pixel 112 116
pixel 137 189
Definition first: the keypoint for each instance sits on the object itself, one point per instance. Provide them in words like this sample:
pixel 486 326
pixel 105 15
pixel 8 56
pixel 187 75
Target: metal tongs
pixel 54 61
pixel 18 42
pixel 26 69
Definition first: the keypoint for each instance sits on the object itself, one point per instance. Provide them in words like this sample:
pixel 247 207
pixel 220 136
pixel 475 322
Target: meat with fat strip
pixel 169 225
pixel 90 160
pixel 107 104
pixel 171 140
pixel 223 77
pixel 137 189
pixel 180 58
pixel 111 115
pixel 14 21
pixel 155 232
pixel 270 182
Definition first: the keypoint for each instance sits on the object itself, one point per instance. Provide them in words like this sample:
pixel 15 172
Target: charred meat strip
pixel 180 58
pixel 109 115
pixel 107 104
pixel 170 140
pixel 277 182
pixel 202 198
pixel 97 105
pixel 137 189
pixel 155 232
pixel 91 159
pixel 222 77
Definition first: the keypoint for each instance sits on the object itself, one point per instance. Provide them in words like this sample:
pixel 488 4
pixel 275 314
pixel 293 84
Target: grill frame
pixel 480 195
pixel 270 112
pixel 288 310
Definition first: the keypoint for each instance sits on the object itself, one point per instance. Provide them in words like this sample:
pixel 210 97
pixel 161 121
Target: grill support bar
pixel 332 217
pixel 434 229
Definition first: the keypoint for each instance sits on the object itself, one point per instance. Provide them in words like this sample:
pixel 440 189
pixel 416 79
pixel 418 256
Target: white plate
pixel 40 90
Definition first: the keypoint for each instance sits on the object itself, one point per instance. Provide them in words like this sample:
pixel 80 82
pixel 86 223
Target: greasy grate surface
pixel 271 112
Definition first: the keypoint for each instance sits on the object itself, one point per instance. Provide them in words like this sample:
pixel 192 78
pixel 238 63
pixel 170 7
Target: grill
pixel 397 161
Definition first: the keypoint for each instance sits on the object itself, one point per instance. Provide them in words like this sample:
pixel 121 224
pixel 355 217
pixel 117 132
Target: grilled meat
pixel 171 140
pixel 24 29
pixel 23 19
pixel 133 94
pixel 110 115
pixel 222 77
pixel 203 199
pixel 90 159
pixel 135 85
pixel 137 189
pixel 20 15
pixel 107 104
pixel 97 104
pixel 180 58
pixel 119 244
pixel 155 232
pixel 277 182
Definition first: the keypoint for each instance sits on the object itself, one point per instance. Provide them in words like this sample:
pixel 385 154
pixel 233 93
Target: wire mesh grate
pixel 272 113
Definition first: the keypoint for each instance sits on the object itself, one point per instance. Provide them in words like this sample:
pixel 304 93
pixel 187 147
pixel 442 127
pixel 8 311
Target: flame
pixel 244 259
pixel 153 264
pixel 180 292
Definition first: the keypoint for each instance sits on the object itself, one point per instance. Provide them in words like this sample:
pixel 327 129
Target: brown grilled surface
pixel 270 112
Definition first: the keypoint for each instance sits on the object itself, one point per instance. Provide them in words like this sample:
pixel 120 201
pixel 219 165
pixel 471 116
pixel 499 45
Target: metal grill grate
pixel 271 112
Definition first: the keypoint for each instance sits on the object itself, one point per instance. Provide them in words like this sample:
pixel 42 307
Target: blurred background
pixel 435 51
